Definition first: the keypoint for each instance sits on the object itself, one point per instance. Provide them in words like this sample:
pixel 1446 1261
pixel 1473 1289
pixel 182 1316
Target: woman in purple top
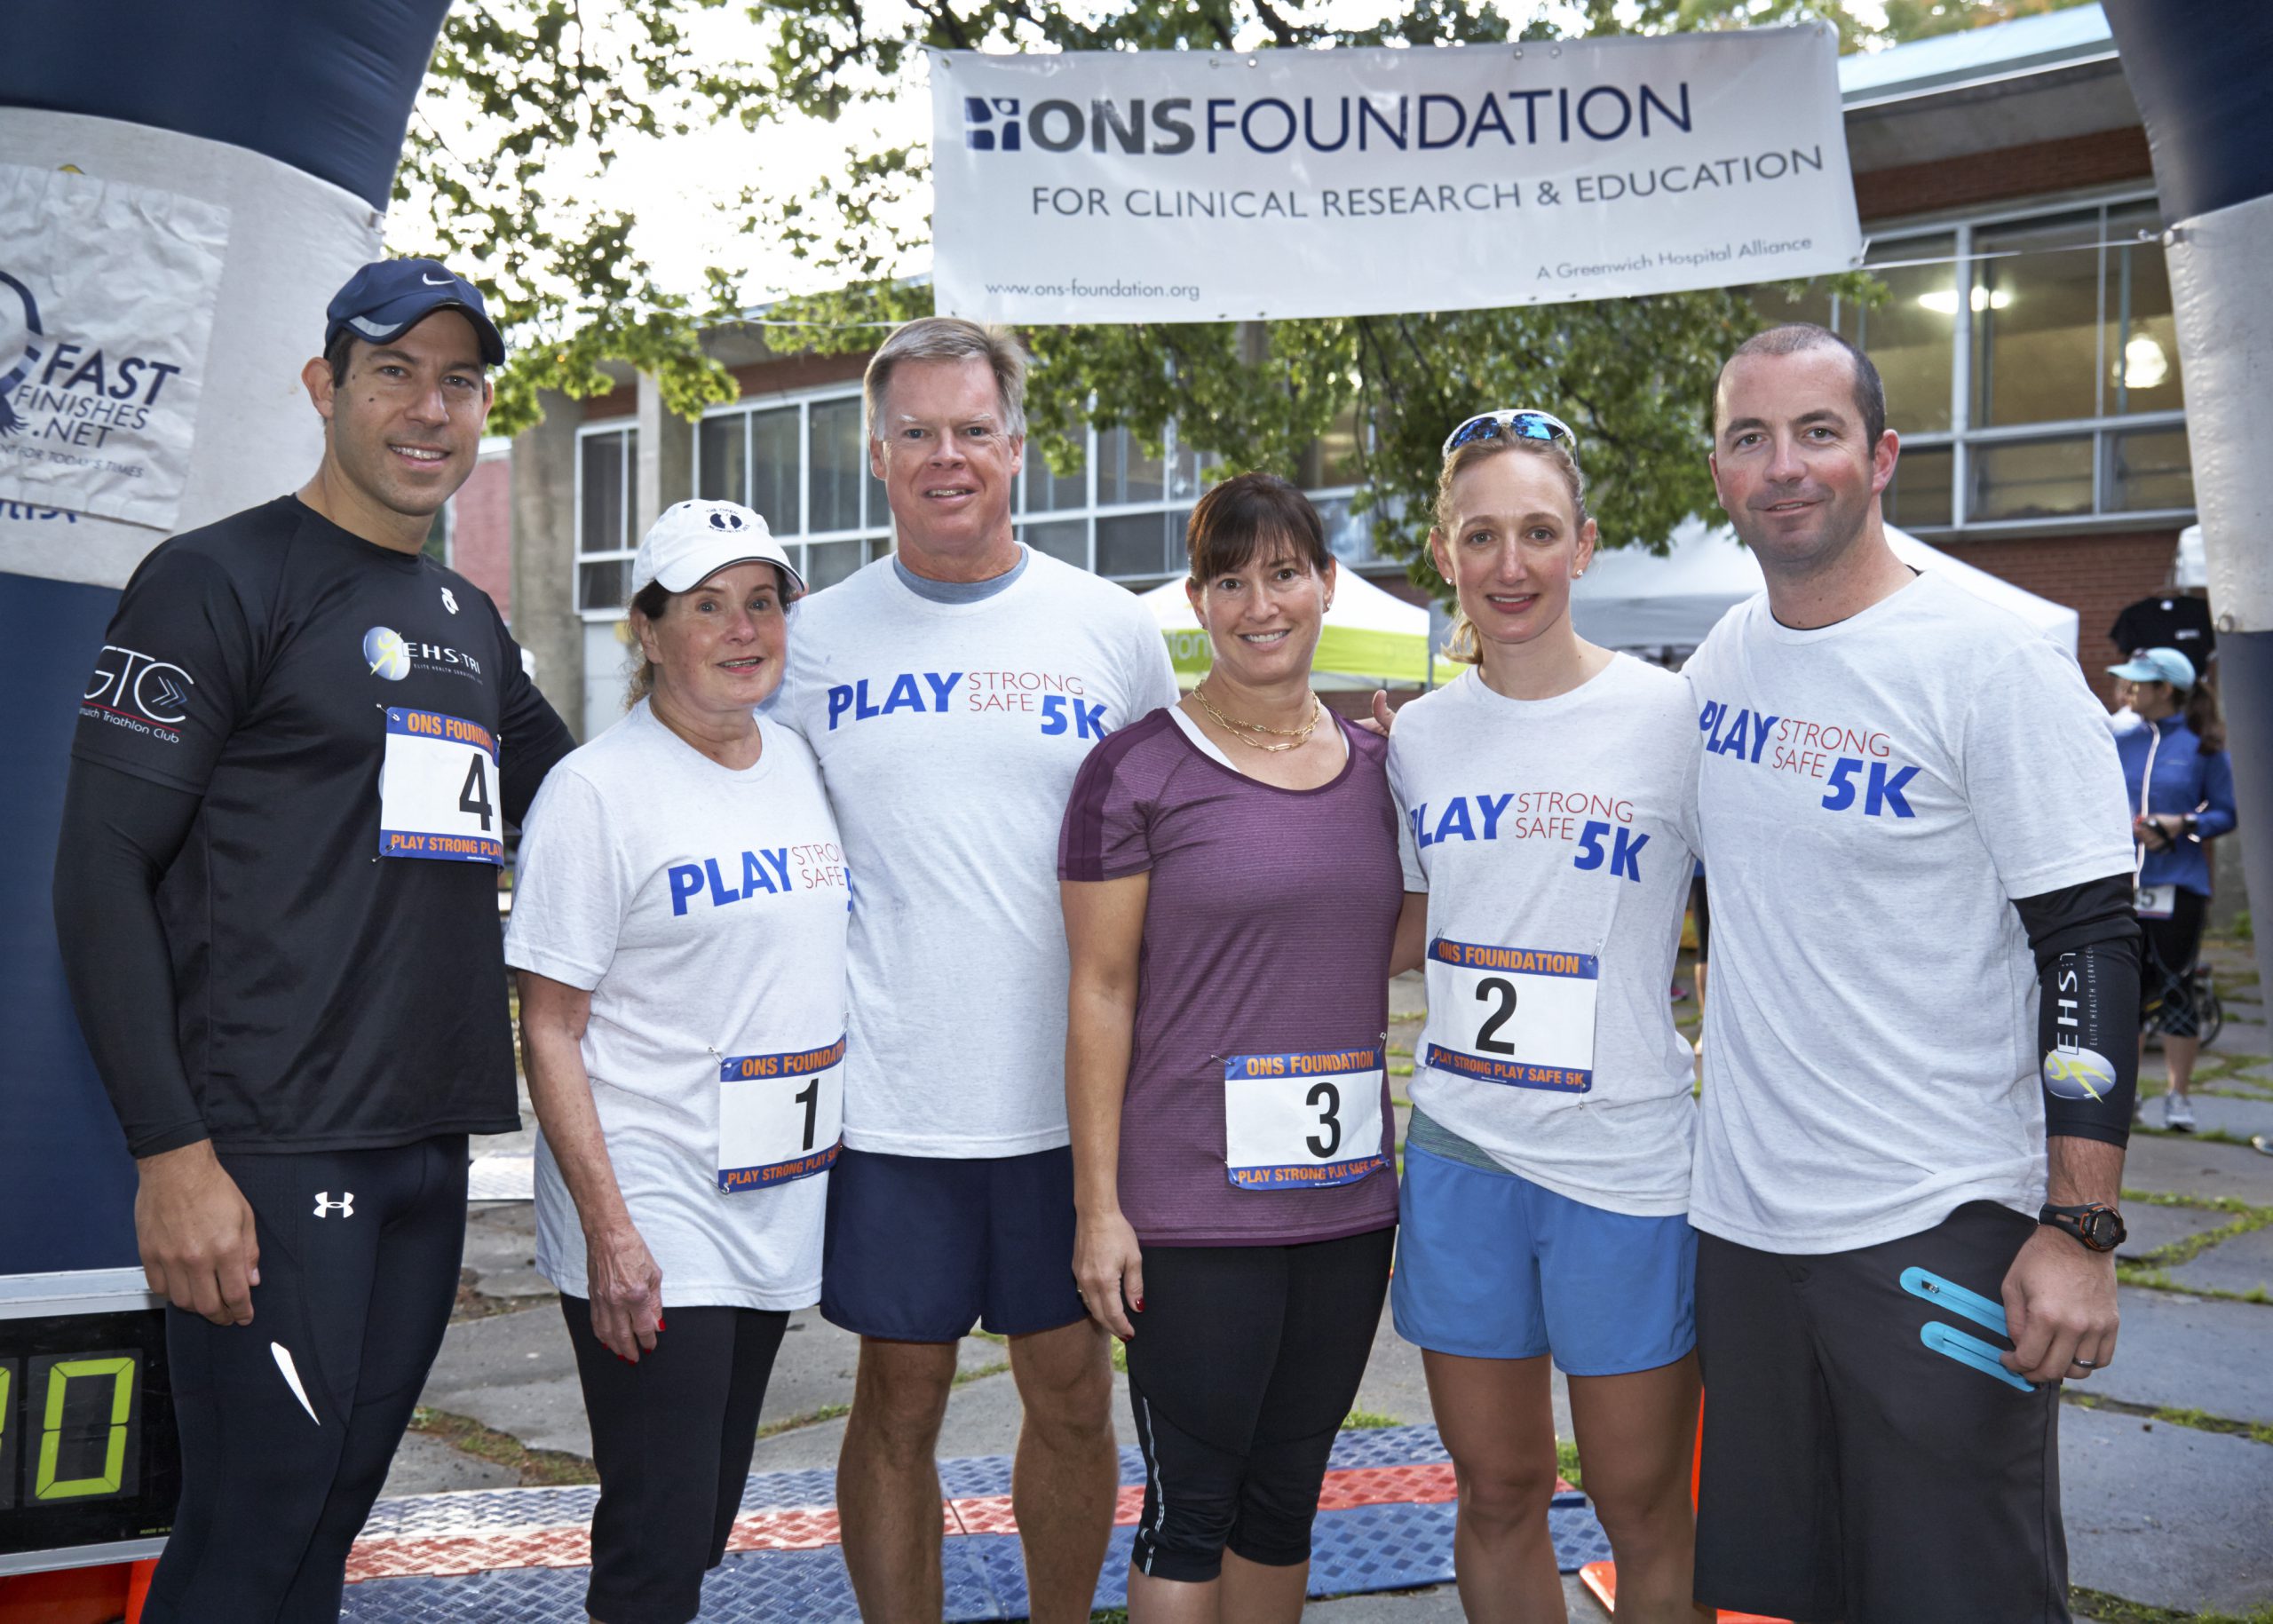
pixel 1231 895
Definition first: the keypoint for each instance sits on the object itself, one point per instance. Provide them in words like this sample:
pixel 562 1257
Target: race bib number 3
pixel 780 1116
pixel 1523 1017
pixel 437 789
pixel 1292 1121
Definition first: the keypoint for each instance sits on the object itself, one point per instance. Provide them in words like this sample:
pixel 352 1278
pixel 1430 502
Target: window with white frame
pixel 604 541
pixel 801 463
pixel 2032 368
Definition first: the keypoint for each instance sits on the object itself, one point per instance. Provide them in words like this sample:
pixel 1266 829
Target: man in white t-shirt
pixel 1913 818
pixel 950 693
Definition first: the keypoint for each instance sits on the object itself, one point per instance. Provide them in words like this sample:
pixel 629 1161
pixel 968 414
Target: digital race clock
pixel 89 1465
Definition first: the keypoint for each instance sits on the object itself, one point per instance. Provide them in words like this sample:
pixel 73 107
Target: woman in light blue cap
pixel 2182 788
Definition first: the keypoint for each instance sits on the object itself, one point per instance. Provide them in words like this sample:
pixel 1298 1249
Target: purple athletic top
pixel 1267 935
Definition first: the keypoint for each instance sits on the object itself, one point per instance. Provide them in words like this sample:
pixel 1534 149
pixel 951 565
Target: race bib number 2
pixel 1292 1121
pixel 1522 1016
pixel 780 1116
pixel 437 789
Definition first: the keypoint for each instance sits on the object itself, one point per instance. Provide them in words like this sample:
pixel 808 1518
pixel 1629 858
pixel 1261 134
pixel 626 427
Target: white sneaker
pixel 2178 1113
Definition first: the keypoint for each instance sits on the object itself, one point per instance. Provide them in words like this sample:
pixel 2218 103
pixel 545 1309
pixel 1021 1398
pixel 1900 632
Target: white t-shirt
pixel 1552 836
pixel 705 910
pixel 1873 796
pixel 949 736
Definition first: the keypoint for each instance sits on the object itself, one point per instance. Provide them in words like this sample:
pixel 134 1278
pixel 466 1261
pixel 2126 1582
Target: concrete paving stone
pixel 2173 1164
pixel 514 1372
pixel 1408 996
pixel 2166 1514
pixel 2237 1114
pixel 428 1466
pixel 2151 1227
pixel 2190 1353
pixel 501 1249
pixel 2242 1264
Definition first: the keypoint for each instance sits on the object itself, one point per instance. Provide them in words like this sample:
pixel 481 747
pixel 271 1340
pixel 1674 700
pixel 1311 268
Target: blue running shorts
pixel 918 1248
pixel 1493 1266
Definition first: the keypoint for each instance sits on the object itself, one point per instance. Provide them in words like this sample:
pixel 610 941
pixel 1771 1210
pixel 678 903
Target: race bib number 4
pixel 437 789
pixel 1523 1017
pixel 1292 1121
pixel 780 1116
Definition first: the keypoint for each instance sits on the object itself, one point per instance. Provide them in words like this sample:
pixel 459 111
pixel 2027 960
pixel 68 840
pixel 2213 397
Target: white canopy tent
pixel 1372 638
pixel 1637 599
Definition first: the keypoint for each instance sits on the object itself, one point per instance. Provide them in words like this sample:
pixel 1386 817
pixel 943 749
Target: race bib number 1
pixel 437 789
pixel 1296 1121
pixel 1519 1016
pixel 780 1116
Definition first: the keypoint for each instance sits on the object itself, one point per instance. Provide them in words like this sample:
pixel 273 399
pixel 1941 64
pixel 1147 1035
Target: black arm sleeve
pixel 2086 939
pixel 531 735
pixel 121 833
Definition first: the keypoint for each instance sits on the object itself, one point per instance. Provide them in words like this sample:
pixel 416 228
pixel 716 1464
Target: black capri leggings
pixel 672 1437
pixel 1702 908
pixel 2166 977
pixel 1243 1368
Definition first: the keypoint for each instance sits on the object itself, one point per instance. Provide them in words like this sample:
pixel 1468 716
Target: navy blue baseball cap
pixel 388 298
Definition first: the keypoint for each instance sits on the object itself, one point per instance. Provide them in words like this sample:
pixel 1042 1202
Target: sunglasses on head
pixel 1510 422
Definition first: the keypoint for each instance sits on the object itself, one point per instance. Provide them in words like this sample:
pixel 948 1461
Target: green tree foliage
pixel 544 77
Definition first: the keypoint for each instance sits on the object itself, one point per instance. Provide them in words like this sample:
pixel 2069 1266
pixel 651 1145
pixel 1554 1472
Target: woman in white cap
pixel 2181 783
pixel 678 923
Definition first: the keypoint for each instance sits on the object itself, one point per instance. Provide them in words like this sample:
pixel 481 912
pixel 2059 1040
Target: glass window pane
pixel 1065 539
pixel 1348 536
pixel 1811 305
pixel 2036 321
pixel 722 474
pixel 1920 494
pixel 774 468
pixel 2152 469
pixel 1191 472
pixel 879 504
pixel 826 563
pixel 604 586
pixel 879 547
pixel 1134 544
pixel 1049 491
pixel 2142 339
pixel 1911 337
pixel 834 499
pixel 1332 458
pixel 1124 472
pixel 2031 479
pixel 604 521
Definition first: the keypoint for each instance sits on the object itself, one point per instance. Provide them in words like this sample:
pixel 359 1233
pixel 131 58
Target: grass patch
pixel 1566 1462
pixel 2200 1135
pixel 2151 1270
pixel 2198 1421
pixel 1121 1356
pixel 803 1418
pixel 538 1468
pixel 1367 1421
pixel 1401 1071
pixel 964 1378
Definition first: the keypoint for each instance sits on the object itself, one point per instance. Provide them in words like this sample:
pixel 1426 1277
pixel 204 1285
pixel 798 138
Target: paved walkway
pixel 2167 1459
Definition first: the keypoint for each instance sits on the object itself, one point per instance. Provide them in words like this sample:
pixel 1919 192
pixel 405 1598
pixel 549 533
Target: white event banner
pixel 1174 185
pixel 106 298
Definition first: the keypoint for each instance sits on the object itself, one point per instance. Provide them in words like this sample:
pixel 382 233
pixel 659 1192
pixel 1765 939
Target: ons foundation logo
pixel 991 125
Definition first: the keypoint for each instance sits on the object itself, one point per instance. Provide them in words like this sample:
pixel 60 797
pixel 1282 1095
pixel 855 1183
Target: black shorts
pixel 1854 1472
pixel 672 1437
pixel 288 1424
pixel 1244 1365
pixel 2166 971
pixel 919 1248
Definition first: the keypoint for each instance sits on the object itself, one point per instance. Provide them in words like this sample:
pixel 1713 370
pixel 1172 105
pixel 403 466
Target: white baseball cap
pixel 694 541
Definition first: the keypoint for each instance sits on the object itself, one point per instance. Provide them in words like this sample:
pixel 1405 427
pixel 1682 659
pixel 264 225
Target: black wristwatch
pixel 2096 1225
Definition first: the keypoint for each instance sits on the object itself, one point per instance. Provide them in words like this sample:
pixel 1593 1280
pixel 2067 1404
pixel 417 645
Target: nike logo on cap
pixel 436 281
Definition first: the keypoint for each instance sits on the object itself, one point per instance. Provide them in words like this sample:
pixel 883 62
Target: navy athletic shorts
pixel 919 1248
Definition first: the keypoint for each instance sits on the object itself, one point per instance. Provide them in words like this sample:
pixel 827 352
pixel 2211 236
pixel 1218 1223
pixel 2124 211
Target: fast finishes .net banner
pixel 1184 186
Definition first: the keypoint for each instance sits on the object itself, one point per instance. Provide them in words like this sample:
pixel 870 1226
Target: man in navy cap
pixel 276 897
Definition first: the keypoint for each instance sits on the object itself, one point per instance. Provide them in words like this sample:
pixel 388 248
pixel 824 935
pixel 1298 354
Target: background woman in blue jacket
pixel 2181 788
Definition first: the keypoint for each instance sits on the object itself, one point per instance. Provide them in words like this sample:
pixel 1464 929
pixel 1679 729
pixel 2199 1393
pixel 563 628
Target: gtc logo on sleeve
pixel 137 692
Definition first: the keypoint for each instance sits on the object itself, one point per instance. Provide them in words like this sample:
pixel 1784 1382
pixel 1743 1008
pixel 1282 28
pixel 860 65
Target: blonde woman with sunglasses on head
pixel 1546 798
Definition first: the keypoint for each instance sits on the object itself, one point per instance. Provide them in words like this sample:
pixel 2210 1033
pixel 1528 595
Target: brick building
pixel 2027 343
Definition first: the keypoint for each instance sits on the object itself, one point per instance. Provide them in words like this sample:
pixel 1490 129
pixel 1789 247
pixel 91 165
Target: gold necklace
pixel 1292 736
